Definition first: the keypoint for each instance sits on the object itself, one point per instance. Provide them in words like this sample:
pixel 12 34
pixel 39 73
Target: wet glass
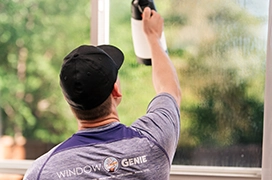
pixel 219 49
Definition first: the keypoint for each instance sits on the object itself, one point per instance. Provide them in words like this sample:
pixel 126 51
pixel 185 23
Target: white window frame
pixel 100 35
pixel 267 138
pixel 100 22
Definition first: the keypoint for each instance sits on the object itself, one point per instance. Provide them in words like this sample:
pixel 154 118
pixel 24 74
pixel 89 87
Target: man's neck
pixel 85 124
pixel 112 117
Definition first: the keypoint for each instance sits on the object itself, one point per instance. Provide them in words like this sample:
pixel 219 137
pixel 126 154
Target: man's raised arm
pixel 164 75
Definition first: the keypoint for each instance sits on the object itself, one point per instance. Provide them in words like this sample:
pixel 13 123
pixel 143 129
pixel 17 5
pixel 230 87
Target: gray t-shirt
pixel 144 150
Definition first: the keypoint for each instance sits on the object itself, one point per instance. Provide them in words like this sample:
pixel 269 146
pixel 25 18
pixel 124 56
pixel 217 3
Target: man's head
pixel 88 75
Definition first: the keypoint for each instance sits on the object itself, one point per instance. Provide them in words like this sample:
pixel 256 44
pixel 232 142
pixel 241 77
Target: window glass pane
pixel 34 38
pixel 218 48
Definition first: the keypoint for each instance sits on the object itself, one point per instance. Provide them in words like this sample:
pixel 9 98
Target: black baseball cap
pixel 88 75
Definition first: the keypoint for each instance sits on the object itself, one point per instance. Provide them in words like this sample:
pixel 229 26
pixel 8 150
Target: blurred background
pixel 218 48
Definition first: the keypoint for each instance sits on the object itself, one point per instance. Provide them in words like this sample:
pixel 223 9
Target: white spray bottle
pixel 140 43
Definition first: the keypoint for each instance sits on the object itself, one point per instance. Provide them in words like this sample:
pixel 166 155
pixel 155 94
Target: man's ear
pixel 116 91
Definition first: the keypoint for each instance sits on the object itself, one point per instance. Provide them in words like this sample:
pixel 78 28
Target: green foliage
pixel 35 36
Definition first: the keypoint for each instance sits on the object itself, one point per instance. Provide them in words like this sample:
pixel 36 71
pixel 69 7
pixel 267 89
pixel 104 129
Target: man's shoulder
pixel 34 169
pixel 161 123
pixel 164 100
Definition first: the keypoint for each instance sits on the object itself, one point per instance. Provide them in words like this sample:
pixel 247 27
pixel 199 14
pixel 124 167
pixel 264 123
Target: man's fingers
pixel 146 13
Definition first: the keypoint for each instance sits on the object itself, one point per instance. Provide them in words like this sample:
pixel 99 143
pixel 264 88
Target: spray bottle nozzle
pixel 141 4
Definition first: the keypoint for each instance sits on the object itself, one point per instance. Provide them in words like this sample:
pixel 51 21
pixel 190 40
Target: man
pixel 103 148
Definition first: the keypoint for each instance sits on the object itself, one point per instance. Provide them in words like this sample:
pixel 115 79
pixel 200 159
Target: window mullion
pixel 99 22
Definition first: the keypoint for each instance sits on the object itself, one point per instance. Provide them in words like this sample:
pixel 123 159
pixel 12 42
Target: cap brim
pixel 115 53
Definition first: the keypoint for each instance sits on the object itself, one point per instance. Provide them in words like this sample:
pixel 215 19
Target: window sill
pixel 216 172
pixel 177 171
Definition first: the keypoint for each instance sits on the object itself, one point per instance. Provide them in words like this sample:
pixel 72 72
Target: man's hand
pixel 152 23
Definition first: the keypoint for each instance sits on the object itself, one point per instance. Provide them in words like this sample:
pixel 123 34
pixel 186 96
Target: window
pixel 218 47
pixel 219 50
pixel 35 36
